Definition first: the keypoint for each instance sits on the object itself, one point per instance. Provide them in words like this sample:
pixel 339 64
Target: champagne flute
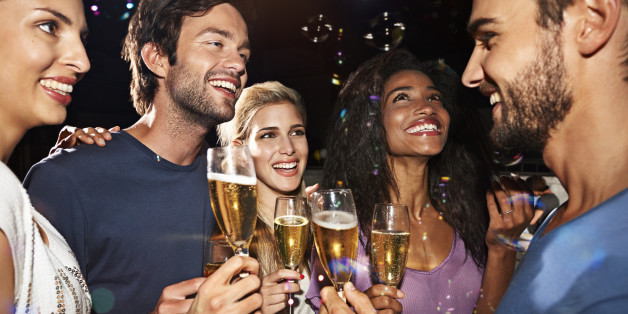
pixel 335 234
pixel 233 192
pixel 291 232
pixel 390 240
pixel 217 252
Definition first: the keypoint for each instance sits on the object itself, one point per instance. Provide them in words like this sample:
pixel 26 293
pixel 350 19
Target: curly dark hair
pixel 357 150
pixel 159 22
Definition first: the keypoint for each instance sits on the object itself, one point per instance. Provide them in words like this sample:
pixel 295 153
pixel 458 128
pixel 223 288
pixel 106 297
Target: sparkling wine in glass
pixel 233 192
pixel 390 241
pixel 335 227
pixel 291 232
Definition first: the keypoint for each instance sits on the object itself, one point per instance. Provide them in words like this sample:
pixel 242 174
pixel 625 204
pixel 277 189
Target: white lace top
pixel 47 277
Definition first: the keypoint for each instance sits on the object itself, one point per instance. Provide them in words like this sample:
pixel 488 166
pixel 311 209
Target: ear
pixel 599 20
pixel 237 142
pixel 152 57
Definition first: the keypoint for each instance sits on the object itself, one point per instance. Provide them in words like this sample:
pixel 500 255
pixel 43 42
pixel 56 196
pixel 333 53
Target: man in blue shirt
pixel 136 211
pixel 556 72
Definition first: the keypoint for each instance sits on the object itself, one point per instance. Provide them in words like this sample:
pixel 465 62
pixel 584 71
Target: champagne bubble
pixel 386 32
pixel 317 28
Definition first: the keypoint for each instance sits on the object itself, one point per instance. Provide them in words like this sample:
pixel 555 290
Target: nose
pixel 473 73
pixel 235 62
pixel 424 107
pixel 75 57
pixel 286 146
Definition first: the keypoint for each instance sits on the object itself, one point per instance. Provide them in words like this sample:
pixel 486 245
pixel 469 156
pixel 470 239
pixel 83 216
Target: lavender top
pixel 453 286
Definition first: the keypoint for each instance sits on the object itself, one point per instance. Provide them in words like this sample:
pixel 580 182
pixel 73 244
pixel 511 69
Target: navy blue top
pixel 135 221
pixel 579 267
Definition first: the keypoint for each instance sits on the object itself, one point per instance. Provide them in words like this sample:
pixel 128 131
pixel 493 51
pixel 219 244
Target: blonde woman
pixel 270 119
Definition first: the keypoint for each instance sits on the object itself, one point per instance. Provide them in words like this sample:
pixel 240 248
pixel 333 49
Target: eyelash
pixel 431 97
pixel 485 39
pixel 272 135
pixel 54 27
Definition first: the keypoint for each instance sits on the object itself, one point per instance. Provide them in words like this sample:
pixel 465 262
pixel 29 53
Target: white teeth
pixel 422 127
pixel 224 84
pixel 285 165
pixel 495 98
pixel 59 87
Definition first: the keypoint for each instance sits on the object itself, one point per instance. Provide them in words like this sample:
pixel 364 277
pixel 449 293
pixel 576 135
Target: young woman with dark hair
pixel 401 137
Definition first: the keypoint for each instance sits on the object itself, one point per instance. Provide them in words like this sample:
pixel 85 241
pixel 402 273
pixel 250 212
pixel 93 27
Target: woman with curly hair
pixel 400 137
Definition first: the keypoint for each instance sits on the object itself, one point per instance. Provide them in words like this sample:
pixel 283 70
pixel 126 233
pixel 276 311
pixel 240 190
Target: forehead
pixel 19 9
pixel 277 114
pixel 502 12
pixel 410 78
pixel 220 17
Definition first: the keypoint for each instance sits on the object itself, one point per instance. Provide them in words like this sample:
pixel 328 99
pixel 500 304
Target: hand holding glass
pixel 217 252
pixel 335 234
pixel 390 240
pixel 233 192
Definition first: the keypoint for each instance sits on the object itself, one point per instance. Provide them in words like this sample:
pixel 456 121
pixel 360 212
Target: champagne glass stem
pixel 341 292
pixel 242 251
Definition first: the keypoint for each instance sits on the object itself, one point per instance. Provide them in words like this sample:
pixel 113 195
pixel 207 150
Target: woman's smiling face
pixel 279 147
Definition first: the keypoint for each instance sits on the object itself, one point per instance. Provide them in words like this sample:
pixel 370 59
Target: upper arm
pixel 7 280
pixel 53 193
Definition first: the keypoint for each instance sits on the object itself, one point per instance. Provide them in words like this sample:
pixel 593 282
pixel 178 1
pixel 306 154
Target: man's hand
pixel 332 303
pixel 219 293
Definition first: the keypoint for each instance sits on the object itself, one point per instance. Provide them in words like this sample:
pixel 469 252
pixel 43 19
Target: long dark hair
pixel 357 150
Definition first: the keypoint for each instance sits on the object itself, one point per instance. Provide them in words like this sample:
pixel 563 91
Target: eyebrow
pixel 406 88
pixel 58 14
pixel 226 34
pixel 63 18
pixel 473 26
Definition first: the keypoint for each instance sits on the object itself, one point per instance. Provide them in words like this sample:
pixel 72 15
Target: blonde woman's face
pixel 279 147
pixel 41 56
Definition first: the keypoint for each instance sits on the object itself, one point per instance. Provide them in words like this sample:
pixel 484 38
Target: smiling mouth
pixel 61 88
pixel 425 127
pixel 227 86
pixel 495 98
pixel 286 166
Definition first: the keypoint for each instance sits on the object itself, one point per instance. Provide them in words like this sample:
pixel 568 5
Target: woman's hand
pixel 510 207
pixel 309 190
pixel 275 289
pixel 384 298
pixel 332 303
pixel 71 136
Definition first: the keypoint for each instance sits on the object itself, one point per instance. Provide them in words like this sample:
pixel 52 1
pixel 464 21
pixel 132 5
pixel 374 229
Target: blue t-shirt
pixel 135 221
pixel 579 267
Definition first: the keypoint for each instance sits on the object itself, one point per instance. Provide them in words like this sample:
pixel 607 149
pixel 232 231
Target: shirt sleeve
pixel 53 194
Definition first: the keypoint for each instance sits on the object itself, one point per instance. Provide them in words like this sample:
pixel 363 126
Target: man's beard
pixel 535 101
pixel 193 101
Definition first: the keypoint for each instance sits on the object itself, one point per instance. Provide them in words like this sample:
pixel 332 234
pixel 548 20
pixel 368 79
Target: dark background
pixel 434 29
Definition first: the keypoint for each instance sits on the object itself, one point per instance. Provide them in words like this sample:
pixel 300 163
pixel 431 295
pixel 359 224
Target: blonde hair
pixel 254 98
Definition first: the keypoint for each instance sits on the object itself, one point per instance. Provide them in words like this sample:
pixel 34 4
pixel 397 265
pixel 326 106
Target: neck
pixel 10 136
pixel 587 151
pixel 411 174
pixel 168 134
pixel 266 198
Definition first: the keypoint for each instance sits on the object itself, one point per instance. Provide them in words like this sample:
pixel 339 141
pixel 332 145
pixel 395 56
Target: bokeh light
pixel 386 32
pixel 507 158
